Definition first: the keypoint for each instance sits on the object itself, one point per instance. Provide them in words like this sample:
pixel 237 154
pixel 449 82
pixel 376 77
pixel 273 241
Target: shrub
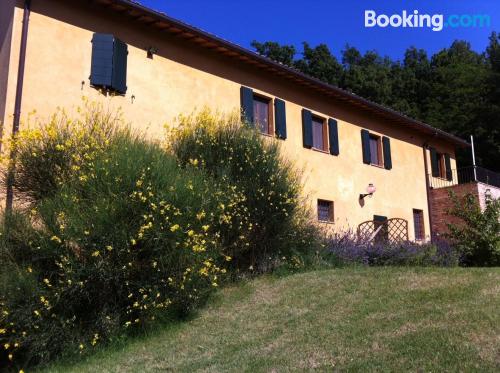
pixel 117 232
pixel 345 248
pixel 271 221
pixel 128 237
pixel 47 156
pixel 477 234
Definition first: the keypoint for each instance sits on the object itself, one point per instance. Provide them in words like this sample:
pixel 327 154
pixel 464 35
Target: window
pixel 325 211
pixel 441 165
pixel 319 133
pixel 376 150
pixel 109 63
pixel 262 114
pixel 418 223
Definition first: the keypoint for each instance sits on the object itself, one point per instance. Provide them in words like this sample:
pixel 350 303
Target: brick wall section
pixel 441 203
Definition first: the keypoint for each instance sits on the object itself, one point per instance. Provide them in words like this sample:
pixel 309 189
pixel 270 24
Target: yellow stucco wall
pixel 182 78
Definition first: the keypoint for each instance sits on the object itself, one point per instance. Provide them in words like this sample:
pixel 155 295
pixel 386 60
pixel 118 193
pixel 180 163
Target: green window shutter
pixel 307 136
pixel 379 218
pixel 119 78
pixel 280 118
pixel 246 95
pixel 333 136
pixel 434 162
pixel 386 143
pixel 109 63
pixel 447 162
pixel 365 144
pixel 101 71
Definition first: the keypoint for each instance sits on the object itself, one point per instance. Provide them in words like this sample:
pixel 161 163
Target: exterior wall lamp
pixel 370 189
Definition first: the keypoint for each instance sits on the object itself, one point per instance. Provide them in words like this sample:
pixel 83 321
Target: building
pixel 53 52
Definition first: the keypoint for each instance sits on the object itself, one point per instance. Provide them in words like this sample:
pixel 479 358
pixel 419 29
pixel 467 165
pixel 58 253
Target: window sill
pixel 326 222
pixel 266 134
pixel 377 165
pixel 319 150
pixel 442 178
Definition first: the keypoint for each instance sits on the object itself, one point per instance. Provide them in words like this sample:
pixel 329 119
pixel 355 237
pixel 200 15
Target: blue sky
pixel 334 22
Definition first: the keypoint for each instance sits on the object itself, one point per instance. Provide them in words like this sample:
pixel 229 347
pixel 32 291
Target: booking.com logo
pixel 436 22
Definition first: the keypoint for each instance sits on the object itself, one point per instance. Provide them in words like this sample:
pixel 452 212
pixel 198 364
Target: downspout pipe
pixel 18 101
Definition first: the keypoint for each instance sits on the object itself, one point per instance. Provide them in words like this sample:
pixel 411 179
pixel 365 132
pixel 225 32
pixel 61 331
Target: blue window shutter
pixel 365 144
pixel 333 136
pixel 101 72
pixel 434 162
pixel 386 143
pixel 246 96
pixel 119 81
pixel 280 118
pixel 307 135
pixel 447 162
pixel 109 63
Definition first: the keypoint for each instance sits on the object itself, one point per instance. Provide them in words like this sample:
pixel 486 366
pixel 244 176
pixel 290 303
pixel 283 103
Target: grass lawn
pixel 353 319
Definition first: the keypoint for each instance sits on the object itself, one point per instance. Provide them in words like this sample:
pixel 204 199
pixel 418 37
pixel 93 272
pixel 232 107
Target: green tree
pixel 320 63
pixel 280 53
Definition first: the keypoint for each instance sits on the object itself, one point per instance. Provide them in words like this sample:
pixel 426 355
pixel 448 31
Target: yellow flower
pixel 191 233
pixel 6 346
pixel 81 346
pixel 3 331
pixel 56 239
pixel 96 253
pixel 109 248
pixel 29 270
pixel 133 242
pixel 174 227
pixel 10 357
pixel 205 227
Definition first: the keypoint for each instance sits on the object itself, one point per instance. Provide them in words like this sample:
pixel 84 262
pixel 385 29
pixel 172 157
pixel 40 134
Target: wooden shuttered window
pixel 441 165
pixel 109 63
pixel 376 150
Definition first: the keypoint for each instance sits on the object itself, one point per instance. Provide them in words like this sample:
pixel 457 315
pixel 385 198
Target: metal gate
pixel 391 230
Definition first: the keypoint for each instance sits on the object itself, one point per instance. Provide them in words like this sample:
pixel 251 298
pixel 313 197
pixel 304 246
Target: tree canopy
pixel 457 89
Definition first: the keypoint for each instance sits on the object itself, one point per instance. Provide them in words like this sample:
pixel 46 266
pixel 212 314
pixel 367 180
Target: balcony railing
pixel 466 175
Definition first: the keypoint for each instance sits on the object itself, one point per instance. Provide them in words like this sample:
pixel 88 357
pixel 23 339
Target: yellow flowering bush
pixel 118 232
pixel 124 240
pixel 268 219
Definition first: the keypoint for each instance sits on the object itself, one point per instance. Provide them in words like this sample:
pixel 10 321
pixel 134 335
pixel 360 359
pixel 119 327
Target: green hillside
pixel 353 319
